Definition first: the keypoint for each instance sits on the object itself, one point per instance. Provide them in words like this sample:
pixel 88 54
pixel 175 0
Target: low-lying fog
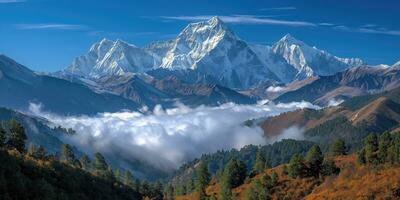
pixel 166 138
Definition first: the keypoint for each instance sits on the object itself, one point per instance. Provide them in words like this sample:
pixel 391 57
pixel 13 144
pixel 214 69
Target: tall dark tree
pixel 274 179
pixel 67 154
pixel 338 148
pixel 361 156
pixel 36 151
pixel 314 160
pixel 3 136
pixel 329 168
pixel 233 175
pixel 202 179
pixel 385 142
pixel 128 178
pixel 260 163
pixel 100 165
pixel 257 191
pixel 17 136
pixel 371 149
pixel 169 192
pixel 296 166
pixel 85 162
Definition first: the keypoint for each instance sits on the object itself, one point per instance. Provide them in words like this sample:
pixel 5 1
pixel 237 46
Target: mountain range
pixel 214 54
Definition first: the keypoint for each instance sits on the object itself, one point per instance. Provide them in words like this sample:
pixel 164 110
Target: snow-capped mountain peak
pixel 112 58
pixel 194 42
pixel 211 48
pixel 311 61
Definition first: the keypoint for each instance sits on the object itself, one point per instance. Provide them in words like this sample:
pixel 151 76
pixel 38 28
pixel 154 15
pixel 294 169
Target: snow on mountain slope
pixel 276 63
pixel 310 61
pixel 210 49
pixel 112 58
pixel 213 49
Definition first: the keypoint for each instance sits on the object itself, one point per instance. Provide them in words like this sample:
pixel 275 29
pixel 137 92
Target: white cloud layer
pixel 168 138
pixel 50 26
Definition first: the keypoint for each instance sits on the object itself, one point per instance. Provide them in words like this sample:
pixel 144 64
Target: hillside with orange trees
pixel 354 181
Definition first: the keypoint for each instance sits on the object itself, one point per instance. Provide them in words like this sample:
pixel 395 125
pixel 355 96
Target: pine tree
pixel 329 168
pixel 257 192
pixel 128 178
pixel 314 160
pixel 233 175
pixel 296 166
pixel 385 142
pixel 274 179
pixel 260 163
pixel 85 162
pixel 361 156
pixel 67 154
pixel 169 192
pixel 371 149
pixel 338 148
pixel 3 136
pixel 37 152
pixel 100 165
pixel 396 148
pixel 202 179
pixel 17 136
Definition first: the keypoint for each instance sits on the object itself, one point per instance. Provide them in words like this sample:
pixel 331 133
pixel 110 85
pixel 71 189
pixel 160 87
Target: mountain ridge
pixel 213 49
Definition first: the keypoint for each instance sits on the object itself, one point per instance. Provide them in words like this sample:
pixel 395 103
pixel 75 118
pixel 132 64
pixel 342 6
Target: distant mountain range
pixel 352 120
pixel 210 49
pixel 21 86
pixel 344 85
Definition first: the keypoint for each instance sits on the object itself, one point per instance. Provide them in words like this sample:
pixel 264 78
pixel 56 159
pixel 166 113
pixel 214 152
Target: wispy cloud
pixel 326 24
pixel 280 8
pixel 12 1
pixel 369 29
pixel 50 26
pixel 243 19
pixel 379 31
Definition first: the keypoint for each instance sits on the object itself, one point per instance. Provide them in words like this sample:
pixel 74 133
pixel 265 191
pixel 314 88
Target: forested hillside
pixel 371 173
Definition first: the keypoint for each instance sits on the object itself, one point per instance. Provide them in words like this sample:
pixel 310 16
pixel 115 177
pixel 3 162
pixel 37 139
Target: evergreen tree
pixel 169 192
pixel 190 186
pixel 157 191
pixel 260 163
pixel 361 156
pixel 117 174
pixel 128 178
pixel 202 179
pixel 17 136
pixel 3 136
pixel 40 152
pixel 314 160
pixel 385 142
pixel 67 154
pixel 274 179
pixel 233 175
pixel 338 148
pixel 371 148
pixel 100 163
pixel 257 192
pixel 85 162
pixel 296 166
pixel 329 168
pixel 37 152
pixel 396 147
pixel 100 166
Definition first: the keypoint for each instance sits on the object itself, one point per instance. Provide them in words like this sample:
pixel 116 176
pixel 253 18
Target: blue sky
pixel 46 35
